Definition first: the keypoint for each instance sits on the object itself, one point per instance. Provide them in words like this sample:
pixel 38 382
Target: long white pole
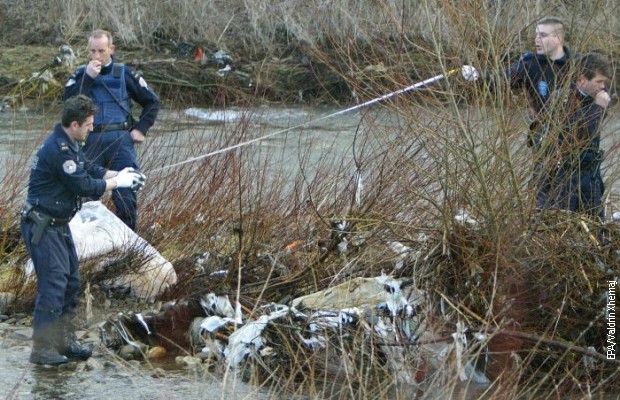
pixel 341 112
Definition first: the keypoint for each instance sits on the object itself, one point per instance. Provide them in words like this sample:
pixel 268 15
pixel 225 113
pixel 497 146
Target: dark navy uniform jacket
pixel 60 175
pixel 137 89
pixel 539 77
pixel 579 157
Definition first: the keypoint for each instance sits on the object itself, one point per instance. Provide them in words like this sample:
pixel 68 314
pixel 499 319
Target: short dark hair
pixel 589 64
pixel 77 108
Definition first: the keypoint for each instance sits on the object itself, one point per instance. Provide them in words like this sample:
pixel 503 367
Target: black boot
pixel 45 330
pixel 43 353
pixel 71 348
pixel 68 344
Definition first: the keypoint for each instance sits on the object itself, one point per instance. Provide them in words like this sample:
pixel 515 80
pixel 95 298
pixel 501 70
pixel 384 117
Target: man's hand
pixel 137 136
pixel 126 169
pixel 138 179
pixel 469 73
pixel 93 69
pixel 129 179
pixel 602 99
pixel 139 183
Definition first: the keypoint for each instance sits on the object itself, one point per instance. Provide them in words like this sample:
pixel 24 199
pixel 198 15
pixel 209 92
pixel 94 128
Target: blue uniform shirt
pixel 60 175
pixel 539 77
pixel 137 89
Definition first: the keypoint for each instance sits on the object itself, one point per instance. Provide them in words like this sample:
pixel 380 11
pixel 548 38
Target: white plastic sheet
pixel 98 232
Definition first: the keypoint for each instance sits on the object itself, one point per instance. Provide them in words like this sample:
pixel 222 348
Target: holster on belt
pixel 40 221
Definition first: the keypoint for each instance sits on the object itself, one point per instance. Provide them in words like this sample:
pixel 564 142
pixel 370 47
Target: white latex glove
pixel 469 73
pixel 140 182
pixel 127 179
pixel 127 169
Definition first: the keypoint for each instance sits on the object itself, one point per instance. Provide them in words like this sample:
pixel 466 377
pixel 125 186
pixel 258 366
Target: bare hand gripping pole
pixel 341 112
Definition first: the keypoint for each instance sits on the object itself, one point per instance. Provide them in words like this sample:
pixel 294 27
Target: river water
pixel 289 135
pixel 181 135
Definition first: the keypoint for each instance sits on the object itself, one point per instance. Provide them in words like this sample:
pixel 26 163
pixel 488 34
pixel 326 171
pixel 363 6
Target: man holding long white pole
pixel 538 74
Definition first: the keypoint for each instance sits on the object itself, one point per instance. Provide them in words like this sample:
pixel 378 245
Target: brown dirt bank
pixel 28 75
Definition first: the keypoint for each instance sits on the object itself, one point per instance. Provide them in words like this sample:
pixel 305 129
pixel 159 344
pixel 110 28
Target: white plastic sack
pixel 97 231
pixel 364 293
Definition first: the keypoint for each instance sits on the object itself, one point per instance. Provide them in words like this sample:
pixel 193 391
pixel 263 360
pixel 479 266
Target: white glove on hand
pixel 139 183
pixel 127 169
pixel 127 179
pixel 469 73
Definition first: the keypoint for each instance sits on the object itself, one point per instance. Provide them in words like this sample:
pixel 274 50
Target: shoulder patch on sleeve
pixel 73 77
pixel 69 167
pixel 136 73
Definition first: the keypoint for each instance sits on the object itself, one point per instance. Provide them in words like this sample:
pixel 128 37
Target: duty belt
pixel 111 127
pixel 41 221
pixel 30 211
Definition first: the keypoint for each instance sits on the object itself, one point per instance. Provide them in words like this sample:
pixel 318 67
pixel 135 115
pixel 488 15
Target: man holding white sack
pixel 60 176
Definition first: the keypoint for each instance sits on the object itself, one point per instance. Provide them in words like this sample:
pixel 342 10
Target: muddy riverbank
pixel 105 375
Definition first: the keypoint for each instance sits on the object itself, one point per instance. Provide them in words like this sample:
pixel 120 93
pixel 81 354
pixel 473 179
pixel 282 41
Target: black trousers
pixel 58 278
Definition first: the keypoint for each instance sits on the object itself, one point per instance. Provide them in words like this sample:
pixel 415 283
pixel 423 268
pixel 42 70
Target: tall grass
pixel 258 27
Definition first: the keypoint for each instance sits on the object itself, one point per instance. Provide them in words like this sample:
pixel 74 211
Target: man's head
pixel 593 71
pixel 100 46
pixel 549 39
pixel 77 117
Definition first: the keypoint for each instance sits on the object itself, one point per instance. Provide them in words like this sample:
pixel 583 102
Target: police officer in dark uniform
pixel 577 151
pixel 538 74
pixel 541 73
pixel 113 86
pixel 60 176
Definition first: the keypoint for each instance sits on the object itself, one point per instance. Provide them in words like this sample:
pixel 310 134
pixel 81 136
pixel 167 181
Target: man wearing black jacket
pixel 539 73
pixel 579 184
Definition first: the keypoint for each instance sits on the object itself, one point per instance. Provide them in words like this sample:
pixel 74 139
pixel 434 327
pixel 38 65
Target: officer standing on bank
pixel 112 86
pixel 539 74
pixel 60 176
pixel 577 148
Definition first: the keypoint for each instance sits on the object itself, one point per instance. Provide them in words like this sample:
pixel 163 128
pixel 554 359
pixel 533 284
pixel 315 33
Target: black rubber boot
pixel 71 348
pixel 68 344
pixel 46 354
